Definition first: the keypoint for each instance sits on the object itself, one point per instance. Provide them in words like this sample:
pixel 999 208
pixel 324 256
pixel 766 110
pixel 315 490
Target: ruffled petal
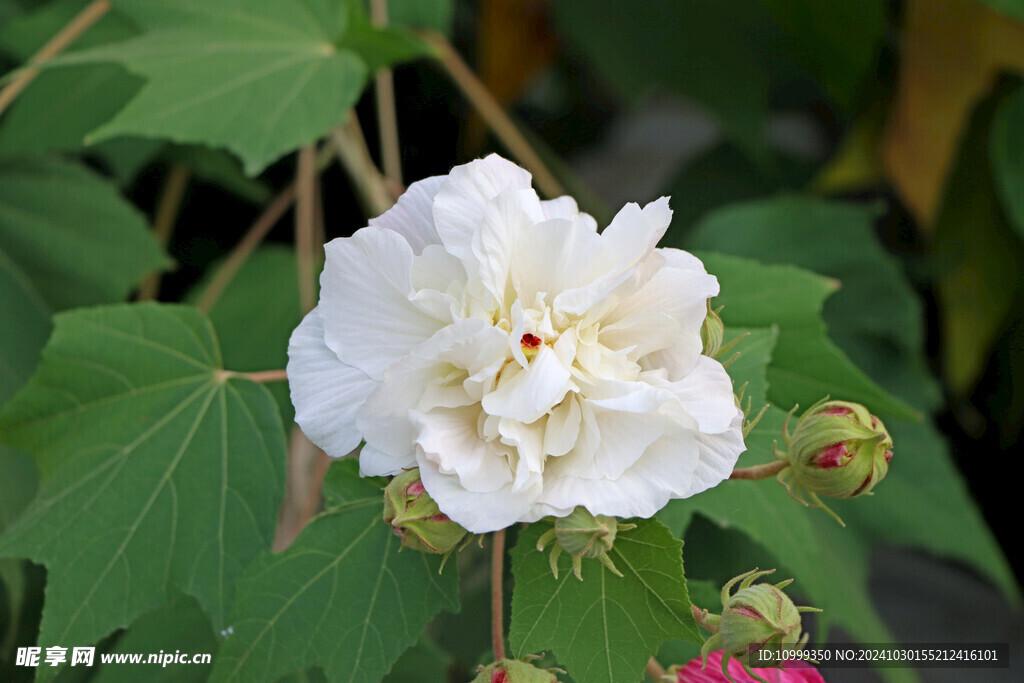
pixel 565 207
pixel 479 513
pixel 718 456
pixel 462 199
pixel 705 394
pixel 664 470
pixel 626 242
pixel 449 438
pixel 326 393
pixel 365 292
pixel 412 216
pixel 507 216
pixel 424 374
pixel 374 462
pixel 528 394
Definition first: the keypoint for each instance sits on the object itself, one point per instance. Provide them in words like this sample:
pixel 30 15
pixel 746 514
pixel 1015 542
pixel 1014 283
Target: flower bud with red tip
pixel 837 449
pixel 415 517
pixel 756 618
pixel 515 671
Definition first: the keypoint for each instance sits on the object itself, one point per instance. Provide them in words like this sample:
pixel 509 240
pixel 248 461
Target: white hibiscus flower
pixel 526 363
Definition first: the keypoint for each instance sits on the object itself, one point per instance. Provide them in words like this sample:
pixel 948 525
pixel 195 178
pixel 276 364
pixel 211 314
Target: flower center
pixel 531 344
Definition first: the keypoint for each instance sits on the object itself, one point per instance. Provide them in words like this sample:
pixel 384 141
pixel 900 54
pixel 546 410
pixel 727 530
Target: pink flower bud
pixel 837 449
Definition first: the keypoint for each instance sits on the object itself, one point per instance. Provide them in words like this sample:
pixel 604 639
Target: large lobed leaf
pixel 158 469
pixel 342 596
pixel 265 289
pixel 923 502
pixel 605 627
pixel 85 246
pixel 260 77
pixel 61 105
pixel 805 364
pixel 874 315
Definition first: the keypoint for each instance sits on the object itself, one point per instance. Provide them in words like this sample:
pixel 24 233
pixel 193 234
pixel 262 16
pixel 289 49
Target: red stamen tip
pixel 530 341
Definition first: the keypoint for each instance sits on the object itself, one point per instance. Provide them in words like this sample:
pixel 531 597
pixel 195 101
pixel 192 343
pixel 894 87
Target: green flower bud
pixel 415 517
pixel 514 671
pixel 756 617
pixel 837 449
pixel 582 534
pixel 712 332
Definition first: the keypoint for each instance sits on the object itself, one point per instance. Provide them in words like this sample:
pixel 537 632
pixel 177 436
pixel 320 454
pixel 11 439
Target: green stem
pixel 305 226
pixel 497 596
pixel 167 208
pixel 759 471
pixel 254 236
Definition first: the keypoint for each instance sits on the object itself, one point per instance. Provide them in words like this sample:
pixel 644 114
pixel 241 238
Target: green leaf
pixel 123 158
pixel 25 319
pixel 220 169
pixel 924 502
pixel 685 47
pixel 805 364
pixel 432 14
pixel 61 105
pixel 978 255
pixel 181 625
pixel 66 239
pixel 829 563
pixel 424 661
pixel 380 47
pixel 877 319
pixel 1006 151
pixel 835 40
pixel 259 77
pixel 266 288
pixel 605 627
pixel 341 596
pixel 158 469
pixel 875 316
pixel 19 480
pixel 71 234
pixel 751 364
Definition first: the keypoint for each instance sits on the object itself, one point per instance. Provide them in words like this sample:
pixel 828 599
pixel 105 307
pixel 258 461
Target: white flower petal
pixel 665 471
pixel 627 241
pixel 642 332
pixel 565 207
pixel 384 419
pixel 463 197
pixel 424 315
pixel 628 397
pixel 623 439
pixel 326 393
pixel 554 256
pixel 563 427
pixel 376 463
pixel 718 456
pixel 365 292
pixel 479 513
pixel 412 216
pixel 505 218
pixel 449 438
pixel 528 442
pixel 706 395
pixel 532 392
